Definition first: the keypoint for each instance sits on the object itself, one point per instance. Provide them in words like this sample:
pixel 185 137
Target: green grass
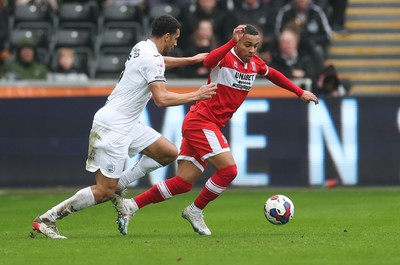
pixel 330 226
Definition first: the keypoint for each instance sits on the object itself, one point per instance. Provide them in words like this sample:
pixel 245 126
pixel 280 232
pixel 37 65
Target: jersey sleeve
pixel 263 68
pixel 218 54
pixel 280 80
pixel 153 68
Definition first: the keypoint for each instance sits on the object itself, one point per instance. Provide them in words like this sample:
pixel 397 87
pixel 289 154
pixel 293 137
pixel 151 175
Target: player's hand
pixel 309 96
pixel 198 58
pixel 207 91
pixel 238 32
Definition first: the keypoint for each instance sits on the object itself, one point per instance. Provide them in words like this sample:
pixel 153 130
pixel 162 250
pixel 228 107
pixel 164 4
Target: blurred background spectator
pixel 206 9
pixel 308 19
pixel 66 67
pixel 337 15
pixel 25 64
pixel 329 83
pixel 291 61
pixel 258 14
pixel 202 40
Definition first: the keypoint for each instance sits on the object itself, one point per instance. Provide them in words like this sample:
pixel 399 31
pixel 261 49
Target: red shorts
pixel 202 139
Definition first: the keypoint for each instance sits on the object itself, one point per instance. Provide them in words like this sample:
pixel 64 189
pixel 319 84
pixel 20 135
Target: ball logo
pixel 110 168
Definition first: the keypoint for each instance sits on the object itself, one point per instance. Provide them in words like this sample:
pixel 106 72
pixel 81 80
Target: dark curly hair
pixel 163 25
pixel 251 30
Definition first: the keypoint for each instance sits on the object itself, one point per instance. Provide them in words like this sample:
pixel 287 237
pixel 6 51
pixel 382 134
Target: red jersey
pixel 234 79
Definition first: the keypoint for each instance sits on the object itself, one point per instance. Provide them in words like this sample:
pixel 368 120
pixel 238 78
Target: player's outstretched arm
pixel 164 98
pixel 172 62
pixel 279 79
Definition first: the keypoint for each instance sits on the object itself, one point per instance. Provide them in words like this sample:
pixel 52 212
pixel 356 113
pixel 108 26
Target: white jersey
pixel 127 101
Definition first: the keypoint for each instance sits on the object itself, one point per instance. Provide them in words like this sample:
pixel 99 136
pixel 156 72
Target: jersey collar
pixel 234 53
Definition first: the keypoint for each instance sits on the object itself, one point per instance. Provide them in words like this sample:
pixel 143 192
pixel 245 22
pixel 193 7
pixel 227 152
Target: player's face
pixel 247 46
pixel 171 42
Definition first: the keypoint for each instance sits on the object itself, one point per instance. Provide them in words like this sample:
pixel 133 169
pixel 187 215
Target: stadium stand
pixel 78 15
pixel 369 56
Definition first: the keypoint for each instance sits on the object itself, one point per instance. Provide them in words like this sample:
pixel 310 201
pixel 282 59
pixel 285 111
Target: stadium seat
pixel 163 9
pixel 159 10
pixel 73 38
pixel 74 15
pixel 39 35
pixel 76 11
pixel 109 66
pixel 31 13
pixel 123 35
pixel 119 13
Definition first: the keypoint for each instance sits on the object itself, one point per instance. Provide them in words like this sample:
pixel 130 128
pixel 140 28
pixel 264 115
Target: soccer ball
pixel 279 209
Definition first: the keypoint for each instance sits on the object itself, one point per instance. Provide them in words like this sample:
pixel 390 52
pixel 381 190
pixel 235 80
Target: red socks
pixel 162 191
pixel 216 185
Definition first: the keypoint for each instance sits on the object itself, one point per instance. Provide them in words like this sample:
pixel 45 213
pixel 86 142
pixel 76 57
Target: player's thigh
pixel 107 151
pixel 162 150
pixel 105 187
pixel 104 181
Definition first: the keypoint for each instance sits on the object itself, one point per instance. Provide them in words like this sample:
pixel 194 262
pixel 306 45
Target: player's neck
pixel 159 42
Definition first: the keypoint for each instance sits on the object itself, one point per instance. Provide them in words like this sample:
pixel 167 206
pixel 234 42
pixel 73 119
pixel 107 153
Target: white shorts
pixel 108 149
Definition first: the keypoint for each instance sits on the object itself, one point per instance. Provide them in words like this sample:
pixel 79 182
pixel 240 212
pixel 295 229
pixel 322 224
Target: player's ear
pixel 167 37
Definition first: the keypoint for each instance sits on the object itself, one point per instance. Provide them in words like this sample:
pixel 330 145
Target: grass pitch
pixel 330 226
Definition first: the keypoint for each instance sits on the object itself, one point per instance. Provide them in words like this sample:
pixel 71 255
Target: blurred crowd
pixel 296 36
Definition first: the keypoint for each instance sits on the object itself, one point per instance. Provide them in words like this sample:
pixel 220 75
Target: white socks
pixel 82 199
pixel 133 205
pixel 140 169
pixel 195 209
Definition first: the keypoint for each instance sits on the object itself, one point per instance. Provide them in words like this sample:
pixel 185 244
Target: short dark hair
pixel 251 30
pixel 163 25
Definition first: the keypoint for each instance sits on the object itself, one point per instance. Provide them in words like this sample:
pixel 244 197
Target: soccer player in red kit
pixel 235 66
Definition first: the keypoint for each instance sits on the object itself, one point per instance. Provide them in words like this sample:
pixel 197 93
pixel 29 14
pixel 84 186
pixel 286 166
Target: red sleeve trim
pixel 280 80
pixel 216 55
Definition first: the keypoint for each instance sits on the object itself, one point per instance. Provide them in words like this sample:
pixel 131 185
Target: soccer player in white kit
pixel 116 132
pixel 235 66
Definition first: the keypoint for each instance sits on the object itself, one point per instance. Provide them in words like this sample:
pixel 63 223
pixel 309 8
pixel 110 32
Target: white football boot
pixel 196 220
pixel 47 228
pixel 126 210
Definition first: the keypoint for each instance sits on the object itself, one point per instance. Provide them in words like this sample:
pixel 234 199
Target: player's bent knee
pixel 170 156
pixel 184 186
pixel 228 173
